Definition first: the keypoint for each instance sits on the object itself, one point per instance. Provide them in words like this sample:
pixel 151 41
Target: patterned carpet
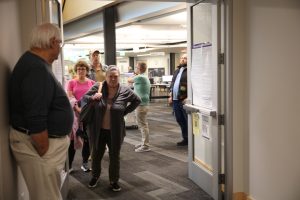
pixel 160 174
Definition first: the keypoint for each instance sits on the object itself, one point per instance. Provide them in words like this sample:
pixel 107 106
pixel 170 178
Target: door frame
pixel 226 48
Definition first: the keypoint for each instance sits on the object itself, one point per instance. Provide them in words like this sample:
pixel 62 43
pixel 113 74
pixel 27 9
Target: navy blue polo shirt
pixel 37 100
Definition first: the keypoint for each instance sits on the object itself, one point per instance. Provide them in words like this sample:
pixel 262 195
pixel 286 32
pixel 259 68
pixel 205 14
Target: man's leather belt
pixel 27 132
pixel 23 130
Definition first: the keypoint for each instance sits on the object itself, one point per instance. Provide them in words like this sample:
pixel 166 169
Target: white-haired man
pixel 40 115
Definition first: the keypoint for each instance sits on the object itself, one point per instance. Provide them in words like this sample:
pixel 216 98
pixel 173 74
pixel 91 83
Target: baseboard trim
pixel 241 196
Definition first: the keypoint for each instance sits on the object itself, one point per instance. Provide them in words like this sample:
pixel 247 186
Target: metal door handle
pixel 189 108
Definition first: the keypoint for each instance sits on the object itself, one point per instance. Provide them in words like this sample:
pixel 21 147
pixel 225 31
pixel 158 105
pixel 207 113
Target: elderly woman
pixel 77 87
pixel 108 126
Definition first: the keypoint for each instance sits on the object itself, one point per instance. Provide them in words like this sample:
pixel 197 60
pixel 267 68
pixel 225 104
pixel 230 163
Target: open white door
pixel 205 106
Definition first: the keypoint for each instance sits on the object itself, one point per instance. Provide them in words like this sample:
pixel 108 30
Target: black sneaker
pixel 93 182
pixel 182 143
pixel 85 167
pixel 115 187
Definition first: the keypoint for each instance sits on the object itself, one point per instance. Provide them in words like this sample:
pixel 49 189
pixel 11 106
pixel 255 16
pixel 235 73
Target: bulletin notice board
pixel 57 68
pixel 156 72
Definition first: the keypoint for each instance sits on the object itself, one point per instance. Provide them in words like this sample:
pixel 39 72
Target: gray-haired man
pixel 40 115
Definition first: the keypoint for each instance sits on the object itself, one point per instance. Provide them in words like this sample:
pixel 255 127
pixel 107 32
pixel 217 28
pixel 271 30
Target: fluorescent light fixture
pixel 140 55
pixel 157 53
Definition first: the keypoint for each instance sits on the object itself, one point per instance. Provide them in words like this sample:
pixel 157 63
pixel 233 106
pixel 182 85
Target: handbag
pixel 87 111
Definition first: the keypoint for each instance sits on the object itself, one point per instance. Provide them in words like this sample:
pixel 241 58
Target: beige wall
pixel 239 99
pixel 10 49
pixel 266 94
pixel 17 18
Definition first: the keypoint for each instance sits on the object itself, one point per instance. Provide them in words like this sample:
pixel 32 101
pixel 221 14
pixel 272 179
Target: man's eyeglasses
pixel 59 42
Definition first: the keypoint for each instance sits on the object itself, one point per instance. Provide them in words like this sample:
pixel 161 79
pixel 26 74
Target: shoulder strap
pixel 100 87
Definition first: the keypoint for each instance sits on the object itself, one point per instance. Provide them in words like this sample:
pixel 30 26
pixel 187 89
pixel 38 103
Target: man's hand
pixel 40 142
pixel 76 108
pixel 170 101
pixel 131 79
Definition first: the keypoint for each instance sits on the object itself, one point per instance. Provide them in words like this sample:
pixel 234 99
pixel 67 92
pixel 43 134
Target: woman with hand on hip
pixel 108 125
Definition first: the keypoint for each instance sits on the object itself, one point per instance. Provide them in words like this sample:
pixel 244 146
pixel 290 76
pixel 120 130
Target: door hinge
pixel 221 178
pixel 221 59
pixel 221 119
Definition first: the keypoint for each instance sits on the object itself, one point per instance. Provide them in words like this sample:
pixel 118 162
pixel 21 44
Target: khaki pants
pixel 142 121
pixel 42 174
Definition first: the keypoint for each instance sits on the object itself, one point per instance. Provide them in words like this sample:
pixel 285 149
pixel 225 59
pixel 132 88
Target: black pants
pixel 85 151
pixel 114 157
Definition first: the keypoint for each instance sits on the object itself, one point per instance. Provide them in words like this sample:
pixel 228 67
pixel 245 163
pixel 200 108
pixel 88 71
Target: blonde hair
pixel 41 35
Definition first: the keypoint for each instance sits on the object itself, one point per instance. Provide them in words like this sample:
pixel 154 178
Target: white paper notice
pixel 202 76
pixel 58 69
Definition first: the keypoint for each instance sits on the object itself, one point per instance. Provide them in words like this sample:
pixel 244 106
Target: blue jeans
pixel 181 118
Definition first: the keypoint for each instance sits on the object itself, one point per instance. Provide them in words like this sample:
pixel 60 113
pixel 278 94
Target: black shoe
pixel 85 167
pixel 182 143
pixel 115 187
pixel 93 182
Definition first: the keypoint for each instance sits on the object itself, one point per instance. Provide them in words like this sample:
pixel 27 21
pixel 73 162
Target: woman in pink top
pixel 77 87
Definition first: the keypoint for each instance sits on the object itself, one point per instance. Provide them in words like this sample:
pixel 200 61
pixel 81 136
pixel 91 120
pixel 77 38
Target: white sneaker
pixel 142 149
pixel 137 146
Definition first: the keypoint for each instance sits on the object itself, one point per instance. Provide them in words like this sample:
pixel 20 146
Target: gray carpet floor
pixel 160 174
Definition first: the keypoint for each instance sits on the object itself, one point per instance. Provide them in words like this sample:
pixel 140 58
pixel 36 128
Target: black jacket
pixel 124 102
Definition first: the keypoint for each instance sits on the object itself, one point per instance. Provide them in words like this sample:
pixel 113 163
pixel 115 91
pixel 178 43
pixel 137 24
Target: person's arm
pixel 77 108
pixel 134 101
pixel 40 142
pixel 70 89
pixel 130 79
pixel 70 94
pixel 91 95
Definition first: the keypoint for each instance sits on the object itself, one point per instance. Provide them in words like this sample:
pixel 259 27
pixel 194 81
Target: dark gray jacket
pixel 124 102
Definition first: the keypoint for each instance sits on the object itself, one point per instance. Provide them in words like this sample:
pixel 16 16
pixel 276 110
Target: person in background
pixel 178 95
pixel 77 87
pixel 40 115
pixel 108 126
pixel 141 86
pixel 130 70
pixel 97 72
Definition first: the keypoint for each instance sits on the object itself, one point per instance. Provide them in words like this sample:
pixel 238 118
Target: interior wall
pixel 240 132
pixel 272 49
pixel 17 18
pixel 10 50
pixel 156 62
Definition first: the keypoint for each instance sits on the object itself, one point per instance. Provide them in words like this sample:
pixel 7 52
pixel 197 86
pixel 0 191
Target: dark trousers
pixel 114 157
pixel 85 152
pixel 181 118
